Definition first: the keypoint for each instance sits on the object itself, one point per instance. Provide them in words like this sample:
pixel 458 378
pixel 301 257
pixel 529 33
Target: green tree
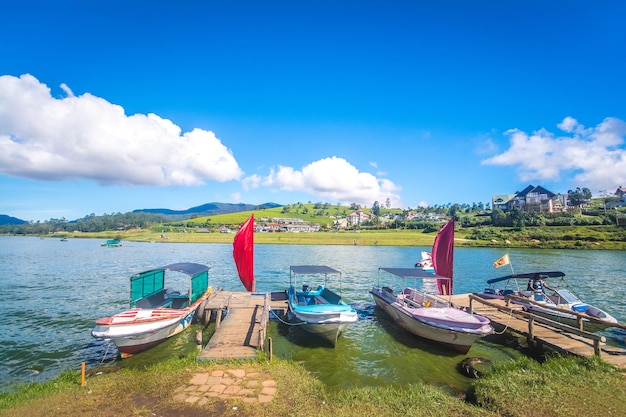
pixel 376 208
pixel 579 196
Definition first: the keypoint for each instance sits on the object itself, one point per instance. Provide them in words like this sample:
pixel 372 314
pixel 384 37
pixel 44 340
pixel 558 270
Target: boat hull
pixel 135 337
pixel 568 319
pixel 459 337
pixel 327 332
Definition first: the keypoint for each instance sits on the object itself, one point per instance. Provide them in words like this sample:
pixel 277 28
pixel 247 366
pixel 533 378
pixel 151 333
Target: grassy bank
pixel 537 238
pixel 558 387
pixel 365 238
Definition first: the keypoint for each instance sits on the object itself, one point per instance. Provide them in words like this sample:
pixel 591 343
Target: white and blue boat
pixel 319 311
pixel 556 304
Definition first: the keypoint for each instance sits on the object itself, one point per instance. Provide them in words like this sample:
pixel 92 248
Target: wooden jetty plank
pixel 546 334
pixel 237 336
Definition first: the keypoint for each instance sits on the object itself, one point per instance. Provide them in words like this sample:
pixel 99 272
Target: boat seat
pixel 301 300
pixel 507 292
pixel 331 296
pixel 155 300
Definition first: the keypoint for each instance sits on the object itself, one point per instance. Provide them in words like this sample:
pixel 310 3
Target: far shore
pixel 415 238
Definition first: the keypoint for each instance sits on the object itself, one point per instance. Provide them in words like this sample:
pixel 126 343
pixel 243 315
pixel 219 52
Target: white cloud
pixel 251 182
pixel 334 179
pixel 595 157
pixel 86 137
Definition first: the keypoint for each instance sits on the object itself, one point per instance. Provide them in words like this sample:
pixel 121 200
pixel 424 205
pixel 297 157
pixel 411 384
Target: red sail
pixel 243 253
pixel 443 257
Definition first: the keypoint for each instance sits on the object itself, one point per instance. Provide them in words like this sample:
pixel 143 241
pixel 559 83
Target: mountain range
pixel 209 209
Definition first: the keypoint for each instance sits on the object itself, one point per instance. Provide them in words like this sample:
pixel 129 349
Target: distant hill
pixel 4 219
pixel 209 209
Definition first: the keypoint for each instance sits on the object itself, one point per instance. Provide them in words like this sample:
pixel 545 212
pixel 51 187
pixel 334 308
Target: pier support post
pixel 531 323
pixel 198 339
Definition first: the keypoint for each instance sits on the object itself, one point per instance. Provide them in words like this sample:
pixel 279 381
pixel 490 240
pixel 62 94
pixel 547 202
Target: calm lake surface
pixel 53 291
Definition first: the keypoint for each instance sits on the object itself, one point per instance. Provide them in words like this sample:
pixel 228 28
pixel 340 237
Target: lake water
pixel 53 291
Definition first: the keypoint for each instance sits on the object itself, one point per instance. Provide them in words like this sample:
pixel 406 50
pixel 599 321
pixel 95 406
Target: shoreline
pixel 409 238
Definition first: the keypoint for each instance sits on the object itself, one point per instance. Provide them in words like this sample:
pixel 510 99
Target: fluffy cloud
pixel 594 156
pixel 332 179
pixel 86 137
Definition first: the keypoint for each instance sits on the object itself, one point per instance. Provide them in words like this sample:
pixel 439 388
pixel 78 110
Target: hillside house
pixel 358 217
pixel 281 224
pixel 531 200
pixel 621 194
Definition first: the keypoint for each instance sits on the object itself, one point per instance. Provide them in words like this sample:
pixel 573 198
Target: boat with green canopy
pixel 156 311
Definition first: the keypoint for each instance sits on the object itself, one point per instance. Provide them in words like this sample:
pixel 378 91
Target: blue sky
pixel 111 106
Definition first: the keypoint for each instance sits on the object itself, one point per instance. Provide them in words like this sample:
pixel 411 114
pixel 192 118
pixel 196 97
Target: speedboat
pixel 426 263
pixel 427 315
pixel 553 305
pixel 156 312
pixel 319 311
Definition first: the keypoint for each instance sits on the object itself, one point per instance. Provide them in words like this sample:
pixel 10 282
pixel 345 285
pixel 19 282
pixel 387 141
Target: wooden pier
pixel 540 330
pixel 242 331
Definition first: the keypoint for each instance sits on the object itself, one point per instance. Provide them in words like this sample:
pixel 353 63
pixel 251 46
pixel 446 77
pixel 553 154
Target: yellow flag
pixel 502 261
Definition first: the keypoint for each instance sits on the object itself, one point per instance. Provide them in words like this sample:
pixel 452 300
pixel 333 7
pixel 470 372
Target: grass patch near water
pixel 558 387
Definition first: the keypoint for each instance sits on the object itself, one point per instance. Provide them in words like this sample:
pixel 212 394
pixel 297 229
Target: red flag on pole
pixel 443 257
pixel 243 253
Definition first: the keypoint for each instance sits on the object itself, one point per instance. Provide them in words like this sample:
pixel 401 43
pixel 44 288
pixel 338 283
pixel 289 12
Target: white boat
pixel 156 312
pixel 553 305
pixel 319 311
pixel 426 263
pixel 428 315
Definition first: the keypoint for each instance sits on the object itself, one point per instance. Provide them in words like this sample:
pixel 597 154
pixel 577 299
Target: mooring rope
pixel 506 326
pixel 106 351
pixel 287 323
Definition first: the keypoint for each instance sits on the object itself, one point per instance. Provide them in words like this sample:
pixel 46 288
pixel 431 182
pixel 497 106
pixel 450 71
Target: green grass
pixel 369 237
pixel 558 387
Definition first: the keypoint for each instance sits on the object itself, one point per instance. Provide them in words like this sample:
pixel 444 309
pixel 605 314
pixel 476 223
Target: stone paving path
pixel 246 385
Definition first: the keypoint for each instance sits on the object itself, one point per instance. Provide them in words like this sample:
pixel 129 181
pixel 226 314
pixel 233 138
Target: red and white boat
pixel 156 312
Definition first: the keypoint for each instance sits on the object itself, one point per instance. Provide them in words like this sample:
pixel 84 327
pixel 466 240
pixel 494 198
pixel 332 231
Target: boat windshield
pixel 568 297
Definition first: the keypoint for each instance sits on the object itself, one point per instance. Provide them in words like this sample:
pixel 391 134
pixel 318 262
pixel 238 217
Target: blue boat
pixel 319 311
